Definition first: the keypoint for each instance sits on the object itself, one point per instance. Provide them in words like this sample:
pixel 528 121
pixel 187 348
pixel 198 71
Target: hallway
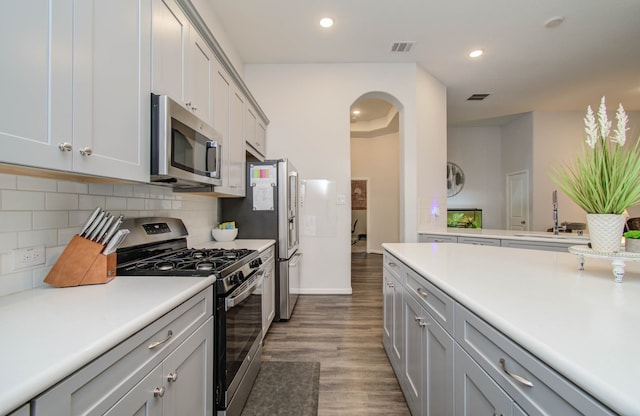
pixel 344 333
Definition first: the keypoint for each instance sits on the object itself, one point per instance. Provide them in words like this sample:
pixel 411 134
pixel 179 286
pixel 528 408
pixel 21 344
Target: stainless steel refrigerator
pixel 270 211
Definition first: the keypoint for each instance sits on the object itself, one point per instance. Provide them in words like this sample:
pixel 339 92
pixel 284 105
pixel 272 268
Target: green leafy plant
pixel 605 178
pixel 634 234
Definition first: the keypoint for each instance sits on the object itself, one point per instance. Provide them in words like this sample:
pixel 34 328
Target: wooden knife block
pixel 82 263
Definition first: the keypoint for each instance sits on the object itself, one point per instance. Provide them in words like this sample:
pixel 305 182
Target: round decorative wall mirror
pixel 455 179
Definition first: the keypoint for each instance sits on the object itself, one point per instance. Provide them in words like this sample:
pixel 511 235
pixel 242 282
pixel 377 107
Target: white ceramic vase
pixel 605 231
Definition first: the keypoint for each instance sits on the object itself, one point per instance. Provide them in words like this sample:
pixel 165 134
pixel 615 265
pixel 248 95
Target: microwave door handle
pixel 230 302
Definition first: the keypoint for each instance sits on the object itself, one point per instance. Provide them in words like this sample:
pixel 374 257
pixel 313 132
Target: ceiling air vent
pixel 477 97
pixel 404 46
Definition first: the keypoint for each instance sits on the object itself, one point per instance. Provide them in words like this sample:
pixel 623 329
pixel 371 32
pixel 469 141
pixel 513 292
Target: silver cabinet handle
pixel 516 377
pixel 86 151
pixel 194 108
pixel 172 377
pixel 65 147
pixel 392 264
pixel 188 104
pixel 391 285
pixel 420 321
pixel 422 292
pixel 158 392
pixel 157 343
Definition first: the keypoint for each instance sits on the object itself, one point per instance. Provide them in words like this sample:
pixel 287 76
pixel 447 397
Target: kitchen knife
pixel 112 230
pixel 95 224
pixel 115 242
pixel 104 229
pixel 92 217
pixel 96 231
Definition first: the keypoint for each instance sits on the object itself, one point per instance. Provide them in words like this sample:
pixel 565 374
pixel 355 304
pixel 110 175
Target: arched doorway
pixel 375 172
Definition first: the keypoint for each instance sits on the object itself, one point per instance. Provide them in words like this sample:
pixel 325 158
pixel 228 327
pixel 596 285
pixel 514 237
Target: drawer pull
pixel 158 392
pixel 422 292
pixel 392 264
pixel 172 377
pixel 516 377
pixel 157 343
pixel 420 321
pixel 389 284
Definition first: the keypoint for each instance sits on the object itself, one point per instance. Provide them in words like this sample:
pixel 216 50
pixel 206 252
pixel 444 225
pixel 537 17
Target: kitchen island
pixel 579 325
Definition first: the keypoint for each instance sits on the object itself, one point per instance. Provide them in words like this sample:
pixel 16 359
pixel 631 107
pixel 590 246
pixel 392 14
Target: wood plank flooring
pixel 343 333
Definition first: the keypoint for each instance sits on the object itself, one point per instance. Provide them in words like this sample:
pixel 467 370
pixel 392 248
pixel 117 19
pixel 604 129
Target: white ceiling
pixel 526 67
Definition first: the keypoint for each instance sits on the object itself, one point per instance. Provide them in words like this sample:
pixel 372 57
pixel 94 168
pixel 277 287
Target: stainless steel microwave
pixel 185 151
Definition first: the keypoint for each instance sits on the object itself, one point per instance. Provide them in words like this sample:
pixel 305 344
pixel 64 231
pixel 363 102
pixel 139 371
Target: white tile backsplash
pixel 39 211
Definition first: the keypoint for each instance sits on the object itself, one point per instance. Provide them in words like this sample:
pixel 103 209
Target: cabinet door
pixel 200 77
pixel 393 322
pixel 143 400
pixel 413 358
pixel 236 141
pixel 438 378
pixel 170 40
pixel 23 411
pixel 111 88
pixel 268 296
pixel 261 138
pixel 35 109
pixel 188 375
pixel 475 392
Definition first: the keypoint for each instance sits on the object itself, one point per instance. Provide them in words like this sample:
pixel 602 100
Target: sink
pixel 555 237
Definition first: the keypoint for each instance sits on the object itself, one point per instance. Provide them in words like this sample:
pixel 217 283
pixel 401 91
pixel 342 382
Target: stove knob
pixel 255 263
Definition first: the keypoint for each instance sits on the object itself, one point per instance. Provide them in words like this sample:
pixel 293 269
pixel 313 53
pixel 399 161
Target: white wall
pixel 517 150
pixel 377 160
pixel 478 152
pixel 308 106
pixel 40 211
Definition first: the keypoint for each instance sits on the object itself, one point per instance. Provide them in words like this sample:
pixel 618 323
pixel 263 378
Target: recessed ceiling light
pixel 356 112
pixel 476 53
pixel 326 22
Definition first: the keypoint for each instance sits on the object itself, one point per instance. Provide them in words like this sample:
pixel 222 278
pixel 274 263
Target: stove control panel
pixel 156 228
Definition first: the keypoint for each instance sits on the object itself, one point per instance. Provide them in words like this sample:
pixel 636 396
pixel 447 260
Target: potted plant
pixel 632 241
pixel 604 179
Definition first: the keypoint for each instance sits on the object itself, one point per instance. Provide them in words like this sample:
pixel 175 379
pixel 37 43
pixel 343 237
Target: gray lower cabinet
pixel 392 330
pixel 453 362
pixel 538 245
pixel 23 411
pixel 479 241
pixel 165 369
pixel 435 238
pixel 428 362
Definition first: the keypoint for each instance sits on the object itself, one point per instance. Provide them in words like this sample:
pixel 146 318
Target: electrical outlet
pixel 28 257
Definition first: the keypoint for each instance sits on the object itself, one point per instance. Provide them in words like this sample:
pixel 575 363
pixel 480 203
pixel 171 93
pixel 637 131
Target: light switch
pixel 342 200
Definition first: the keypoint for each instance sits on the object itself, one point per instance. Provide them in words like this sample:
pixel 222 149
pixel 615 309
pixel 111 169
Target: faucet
pixel 556 227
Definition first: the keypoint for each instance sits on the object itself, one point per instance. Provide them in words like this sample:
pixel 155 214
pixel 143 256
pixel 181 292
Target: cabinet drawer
pixel 479 241
pixel 97 386
pixel 548 393
pixel 436 302
pixel 394 266
pixel 435 238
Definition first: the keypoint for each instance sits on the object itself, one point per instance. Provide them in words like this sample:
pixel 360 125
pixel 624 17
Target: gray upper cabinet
pixel 75 91
pixel 255 133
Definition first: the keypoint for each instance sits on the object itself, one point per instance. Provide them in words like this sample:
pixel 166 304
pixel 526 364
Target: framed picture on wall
pixel 358 194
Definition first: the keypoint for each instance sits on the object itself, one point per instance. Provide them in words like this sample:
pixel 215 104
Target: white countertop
pixel 580 323
pixel 48 333
pixel 510 234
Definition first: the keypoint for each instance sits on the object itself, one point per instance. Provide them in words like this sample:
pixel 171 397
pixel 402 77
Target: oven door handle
pixel 230 302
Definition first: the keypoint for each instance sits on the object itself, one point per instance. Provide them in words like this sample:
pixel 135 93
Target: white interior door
pixel 518 201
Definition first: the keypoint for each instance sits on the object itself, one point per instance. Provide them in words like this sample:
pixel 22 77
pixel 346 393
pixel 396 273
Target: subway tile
pixel 8 241
pixel 48 238
pixel 155 192
pixel 78 218
pixel 50 219
pixel 15 221
pixel 15 282
pixel 71 187
pixel 121 189
pixel 52 254
pixel 115 203
pixel 38 276
pixel 56 201
pixel 135 203
pixel 22 200
pixel 28 183
pixel 177 205
pixel 101 188
pixel 8 181
pixel 90 202
pixel 66 234
pixel 141 191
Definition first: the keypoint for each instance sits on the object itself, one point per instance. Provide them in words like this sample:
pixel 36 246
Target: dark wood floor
pixel 343 333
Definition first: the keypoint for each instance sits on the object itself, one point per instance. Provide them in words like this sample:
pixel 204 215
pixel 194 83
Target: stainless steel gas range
pixel 157 246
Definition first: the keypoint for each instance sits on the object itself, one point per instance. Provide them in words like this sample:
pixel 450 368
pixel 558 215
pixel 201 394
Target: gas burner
pixel 205 265
pixel 164 266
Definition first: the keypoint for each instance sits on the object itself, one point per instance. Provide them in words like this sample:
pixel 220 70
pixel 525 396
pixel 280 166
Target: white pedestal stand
pixel 617 259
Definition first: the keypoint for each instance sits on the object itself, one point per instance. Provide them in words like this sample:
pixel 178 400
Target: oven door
pixel 239 335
